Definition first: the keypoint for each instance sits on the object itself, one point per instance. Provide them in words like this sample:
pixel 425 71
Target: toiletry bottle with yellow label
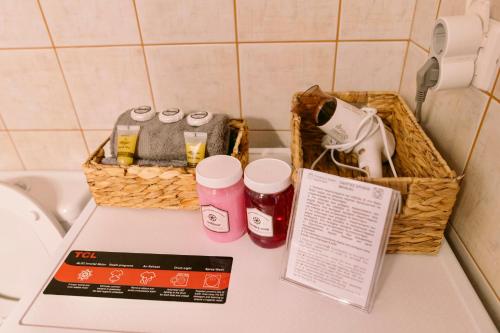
pixel 196 143
pixel 126 144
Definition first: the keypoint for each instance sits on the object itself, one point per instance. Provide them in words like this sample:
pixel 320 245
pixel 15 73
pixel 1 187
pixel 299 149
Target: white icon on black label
pixel 147 277
pixel 84 274
pixel 115 275
pixel 212 281
pixel 180 280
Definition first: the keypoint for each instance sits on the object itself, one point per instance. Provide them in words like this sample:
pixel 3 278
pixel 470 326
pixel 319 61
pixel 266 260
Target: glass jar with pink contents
pixel 222 197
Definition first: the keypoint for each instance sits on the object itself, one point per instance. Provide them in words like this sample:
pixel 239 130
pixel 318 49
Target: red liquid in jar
pixel 277 206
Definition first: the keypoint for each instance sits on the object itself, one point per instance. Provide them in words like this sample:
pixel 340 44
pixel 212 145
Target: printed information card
pixel 147 276
pixel 338 236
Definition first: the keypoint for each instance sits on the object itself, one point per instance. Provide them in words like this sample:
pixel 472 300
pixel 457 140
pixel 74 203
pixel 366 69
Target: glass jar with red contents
pixel 268 200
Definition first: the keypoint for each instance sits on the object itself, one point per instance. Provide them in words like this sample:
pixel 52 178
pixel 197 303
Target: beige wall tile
pixel 269 139
pixel 195 77
pixel 272 73
pixel 452 7
pixel 104 82
pixel 423 23
pixel 46 150
pixel 96 138
pixel 32 91
pixel 8 158
pixel 476 214
pixel 91 22
pixel 369 65
pixel 495 10
pixel 261 20
pixel 167 21
pixel 451 119
pixel 414 60
pixel 376 19
pixel 22 24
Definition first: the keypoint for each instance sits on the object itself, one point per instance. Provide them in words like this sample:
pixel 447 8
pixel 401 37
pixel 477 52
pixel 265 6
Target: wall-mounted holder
pixel 465 50
pixel 455 45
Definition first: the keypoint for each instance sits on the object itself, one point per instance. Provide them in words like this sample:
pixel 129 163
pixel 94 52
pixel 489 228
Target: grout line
pixel 59 64
pixel 478 267
pixel 286 41
pixel 238 73
pixel 46 129
pixel 412 24
pixel 7 131
pixel 405 59
pixel 97 129
pixel 144 57
pixel 481 122
pixel 487 93
pixel 145 44
pixel 94 46
pixel 339 10
pixel 484 91
pixel 420 46
pixel 325 40
pixel 438 9
pixel 371 40
pixel 27 48
pixel 190 43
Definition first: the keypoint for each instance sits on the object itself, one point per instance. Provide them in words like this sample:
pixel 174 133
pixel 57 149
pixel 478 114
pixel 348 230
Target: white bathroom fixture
pixel 36 210
pixel 63 193
pixel 29 235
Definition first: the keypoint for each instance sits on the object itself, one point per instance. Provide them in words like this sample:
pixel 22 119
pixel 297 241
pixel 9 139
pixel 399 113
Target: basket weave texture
pixel 150 186
pixel 427 184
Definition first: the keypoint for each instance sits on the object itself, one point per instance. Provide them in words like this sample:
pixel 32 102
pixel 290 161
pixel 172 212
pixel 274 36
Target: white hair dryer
pixel 359 130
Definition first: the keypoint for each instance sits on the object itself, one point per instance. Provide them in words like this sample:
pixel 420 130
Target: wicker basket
pixel 427 185
pixel 153 187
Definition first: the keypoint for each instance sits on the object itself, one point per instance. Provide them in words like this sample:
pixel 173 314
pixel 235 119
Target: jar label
pixel 259 223
pixel 215 219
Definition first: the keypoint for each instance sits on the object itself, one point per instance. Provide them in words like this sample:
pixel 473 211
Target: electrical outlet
pixel 488 60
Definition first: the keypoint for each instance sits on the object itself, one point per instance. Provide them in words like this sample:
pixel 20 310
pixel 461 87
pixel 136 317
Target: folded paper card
pixel 338 235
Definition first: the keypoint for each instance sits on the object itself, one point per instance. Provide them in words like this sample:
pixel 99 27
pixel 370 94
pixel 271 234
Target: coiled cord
pixel 376 124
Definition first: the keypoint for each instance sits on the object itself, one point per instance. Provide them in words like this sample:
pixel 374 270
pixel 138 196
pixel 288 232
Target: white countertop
pixel 416 293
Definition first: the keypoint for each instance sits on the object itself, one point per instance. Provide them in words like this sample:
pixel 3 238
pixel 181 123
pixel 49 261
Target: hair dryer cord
pixel 376 124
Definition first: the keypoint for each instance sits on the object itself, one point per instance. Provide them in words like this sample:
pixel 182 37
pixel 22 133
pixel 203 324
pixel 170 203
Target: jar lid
pixel 142 113
pixel 268 175
pixel 218 171
pixel 171 115
pixel 199 118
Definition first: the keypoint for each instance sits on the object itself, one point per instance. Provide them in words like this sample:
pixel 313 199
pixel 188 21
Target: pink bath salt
pixel 221 194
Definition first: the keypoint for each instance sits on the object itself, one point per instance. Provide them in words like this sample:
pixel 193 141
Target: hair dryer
pixel 349 129
pixel 358 130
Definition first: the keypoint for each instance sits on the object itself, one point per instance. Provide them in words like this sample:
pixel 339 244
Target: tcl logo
pixel 85 255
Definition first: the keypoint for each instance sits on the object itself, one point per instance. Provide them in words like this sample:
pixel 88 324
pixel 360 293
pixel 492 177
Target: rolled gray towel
pixel 165 142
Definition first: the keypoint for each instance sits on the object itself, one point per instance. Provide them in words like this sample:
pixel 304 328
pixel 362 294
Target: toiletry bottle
pixel 222 197
pixel 269 196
